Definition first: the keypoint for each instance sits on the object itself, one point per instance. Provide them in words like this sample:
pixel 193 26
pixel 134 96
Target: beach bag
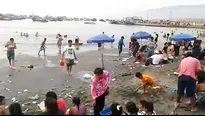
pixel 107 91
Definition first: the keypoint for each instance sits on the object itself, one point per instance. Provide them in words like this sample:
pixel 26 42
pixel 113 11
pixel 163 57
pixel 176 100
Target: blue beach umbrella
pixel 102 38
pixel 182 37
pixel 141 35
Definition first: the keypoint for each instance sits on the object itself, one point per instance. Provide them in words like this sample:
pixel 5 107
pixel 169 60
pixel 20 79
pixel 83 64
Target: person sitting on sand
pixel 69 56
pixel 164 57
pixel 131 109
pixel 3 110
pixel 154 59
pixel 141 106
pixel 15 109
pixel 200 87
pixel 11 46
pixel 52 107
pixel 77 109
pixel 170 51
pixel 116 109
pixel 147 81
pixel 60 101
pixel 43 47
pixel 149 109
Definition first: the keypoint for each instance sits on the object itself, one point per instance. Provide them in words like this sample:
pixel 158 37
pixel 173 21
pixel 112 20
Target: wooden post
pixel 103 67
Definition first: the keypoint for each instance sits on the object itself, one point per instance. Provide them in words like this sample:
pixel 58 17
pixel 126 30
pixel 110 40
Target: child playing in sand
pixel 3 110
pixel 147 81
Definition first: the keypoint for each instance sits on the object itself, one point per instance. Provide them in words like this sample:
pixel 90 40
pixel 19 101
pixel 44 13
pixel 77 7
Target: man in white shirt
pixel 69 56
pixel 156 58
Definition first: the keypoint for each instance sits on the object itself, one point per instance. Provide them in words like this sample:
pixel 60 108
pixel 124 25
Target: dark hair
pixel 160 52
pixel 2 98
pixel 143 102
pixel 122 37
pixel 116 109
pixel 45 39
pixel 76 101
pixel 15 109
pixel 151 38
pixel 103 32
pixel 11 39
pixel 70 41
pixel 138 74
pixel 188 54
pixel 51 94
pixel 98 71
pixel 51 105
pixel 201 76
pixel 149 106
pixel 131 108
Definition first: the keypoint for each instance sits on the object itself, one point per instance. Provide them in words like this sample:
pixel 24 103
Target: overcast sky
pixel 89 8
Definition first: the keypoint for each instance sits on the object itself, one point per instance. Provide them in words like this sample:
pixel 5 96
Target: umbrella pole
pixel 103 67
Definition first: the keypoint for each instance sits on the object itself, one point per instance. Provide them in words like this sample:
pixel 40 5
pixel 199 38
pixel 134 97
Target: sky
pixel 87 8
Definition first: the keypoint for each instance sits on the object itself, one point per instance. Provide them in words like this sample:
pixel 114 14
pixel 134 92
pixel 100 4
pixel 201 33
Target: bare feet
pixel 13 68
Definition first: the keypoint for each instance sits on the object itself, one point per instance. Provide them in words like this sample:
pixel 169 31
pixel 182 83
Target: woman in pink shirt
pixel 99 89
pixel 187 69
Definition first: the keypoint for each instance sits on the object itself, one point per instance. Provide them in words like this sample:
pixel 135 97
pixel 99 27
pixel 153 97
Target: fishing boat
pixel 89 23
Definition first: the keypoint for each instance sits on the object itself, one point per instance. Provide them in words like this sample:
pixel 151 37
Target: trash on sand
pixel 27 103
pixel 28 66
pixel 126 74
pixel 25 90
pixel 137 62
pixel 7 89
pixel 175 73
pixel 34 102
pixel 113 79
pixel 42 106
pixel 51 80
pixel 2 82
pixel 36 97
pixel 82 92
pixel 25 111
pixel 68 95
pixel 168 74
pixel 13 99
pixel 9 81
pixel 124 59
pixel 23 105
pixel 19 92
pixel 87 76
pixel 123 63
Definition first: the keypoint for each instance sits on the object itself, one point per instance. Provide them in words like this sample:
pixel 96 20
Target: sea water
pixel 31 45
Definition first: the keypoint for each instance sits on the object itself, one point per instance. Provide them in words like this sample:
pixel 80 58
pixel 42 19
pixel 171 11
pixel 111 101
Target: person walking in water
pixel 77 108
pixel 69 56
pixel 43 47
pixel 120 45
pixel 11 46
pixel 59 43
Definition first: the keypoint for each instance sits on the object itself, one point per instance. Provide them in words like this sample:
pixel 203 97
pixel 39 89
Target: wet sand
pixel 48 75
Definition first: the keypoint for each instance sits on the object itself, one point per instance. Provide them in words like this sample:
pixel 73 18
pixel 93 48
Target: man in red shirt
pixel 187 69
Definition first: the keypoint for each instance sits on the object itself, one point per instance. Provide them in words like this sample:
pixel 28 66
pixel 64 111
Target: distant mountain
pixel 175 12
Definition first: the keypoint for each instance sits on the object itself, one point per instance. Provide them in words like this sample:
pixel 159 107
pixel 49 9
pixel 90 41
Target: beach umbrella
pixel 141 35
pixel 182 37
pixel 102 38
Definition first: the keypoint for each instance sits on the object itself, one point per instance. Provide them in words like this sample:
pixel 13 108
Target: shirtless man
pixel 11 46
pixel 43 47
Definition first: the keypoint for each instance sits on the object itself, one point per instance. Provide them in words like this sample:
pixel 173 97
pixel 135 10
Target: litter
pixel 175 73
pixel 34 102
pixel 27 103
pixel 42 106
pixel 51 80
pixel 19 92
pixel 25 90
pixel 13 99
pixel 113 79
pixel 87 76
pixel 9 81
pixel 25 111
pixel 7 89
pixel 82 92
pixel 36 97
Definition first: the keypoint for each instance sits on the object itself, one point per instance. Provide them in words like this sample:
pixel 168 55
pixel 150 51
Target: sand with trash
pixel 29 87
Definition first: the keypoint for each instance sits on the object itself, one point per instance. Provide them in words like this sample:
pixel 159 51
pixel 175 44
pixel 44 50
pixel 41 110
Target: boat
pixel 77 43
pixel 89 23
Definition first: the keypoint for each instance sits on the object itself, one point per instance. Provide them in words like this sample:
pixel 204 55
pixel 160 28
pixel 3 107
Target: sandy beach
pixel 48 75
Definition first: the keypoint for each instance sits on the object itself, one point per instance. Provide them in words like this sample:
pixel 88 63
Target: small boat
pixel 77 43
pixel 89 23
